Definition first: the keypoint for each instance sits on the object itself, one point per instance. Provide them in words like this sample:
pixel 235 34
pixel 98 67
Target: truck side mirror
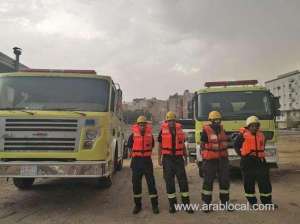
pixel 276 106
pixel 277 112
pixel 276 102
pixel 119 103
pixel 195 104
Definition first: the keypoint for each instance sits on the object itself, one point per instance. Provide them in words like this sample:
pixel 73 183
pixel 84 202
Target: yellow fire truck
pixel 61 124
pixel 237 100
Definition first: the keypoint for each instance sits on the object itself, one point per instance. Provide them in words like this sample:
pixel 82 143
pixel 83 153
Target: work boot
pixel 172 202
pixel 271 204
pixel 226 204
pixel 138 205
pixel 154 203
pixel 186 202
pixel 253 205
pixel 207 209
pixel 252 200
pixel 230 209
pixel 136 209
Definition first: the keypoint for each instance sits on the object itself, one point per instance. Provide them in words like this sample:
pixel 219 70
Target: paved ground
pixel 79 201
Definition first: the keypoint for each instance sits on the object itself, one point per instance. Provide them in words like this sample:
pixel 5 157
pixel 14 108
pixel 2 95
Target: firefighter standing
pixel 171 152
pixel 141 142
pixel 250 145
pixel 214 143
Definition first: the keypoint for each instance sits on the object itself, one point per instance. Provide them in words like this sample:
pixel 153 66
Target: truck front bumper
pixel 32 169
pixel 270 152
pixel 234 159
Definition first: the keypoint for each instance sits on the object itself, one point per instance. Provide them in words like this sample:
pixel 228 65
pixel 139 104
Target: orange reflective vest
pixel 166 141
pixel 217 144
pixel 142 144
pixel 253 144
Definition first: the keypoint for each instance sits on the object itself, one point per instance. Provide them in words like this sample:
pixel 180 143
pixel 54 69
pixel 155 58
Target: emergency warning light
pixel 60 71
pixel 231 83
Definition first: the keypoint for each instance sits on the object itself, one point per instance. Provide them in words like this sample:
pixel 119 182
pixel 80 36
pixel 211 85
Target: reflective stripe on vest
pixel 253 144
pixel 142 144
pixel 166 141
pixel 217 144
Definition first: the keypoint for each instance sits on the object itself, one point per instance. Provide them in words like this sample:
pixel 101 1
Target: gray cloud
pixel 155 48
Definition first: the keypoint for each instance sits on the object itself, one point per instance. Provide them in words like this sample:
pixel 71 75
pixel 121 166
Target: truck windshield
pixel 235 105
pixel 187 124
pixel 54 93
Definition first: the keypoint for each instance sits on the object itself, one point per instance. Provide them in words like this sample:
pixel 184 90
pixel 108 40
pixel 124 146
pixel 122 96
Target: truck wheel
pixel 235 172
pixel 200 169
pixel 104 182
pixel 23 183
pixel 125 152
pixel 120 165
pixel 116 162
pixel 273 165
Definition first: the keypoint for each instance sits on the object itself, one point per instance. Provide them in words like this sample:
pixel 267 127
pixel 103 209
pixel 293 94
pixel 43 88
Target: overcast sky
pixel 155 48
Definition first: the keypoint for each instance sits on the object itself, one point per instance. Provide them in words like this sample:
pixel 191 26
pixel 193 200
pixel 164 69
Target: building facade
pixel 187 105
pixel 7 64
pixel 287 88
pixel 175 104
pixel 157 108
pixel 179 104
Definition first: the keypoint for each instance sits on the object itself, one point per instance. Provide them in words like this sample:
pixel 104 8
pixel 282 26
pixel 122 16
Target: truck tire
pixel 235 172
pixel 273 165
pixel 120 165
pixel 23 183
pixel 125 152
pixel 104 182
pixel 200 169
pixel 116 162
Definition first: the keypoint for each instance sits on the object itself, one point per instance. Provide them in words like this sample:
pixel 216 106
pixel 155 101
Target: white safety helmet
pixel 252 120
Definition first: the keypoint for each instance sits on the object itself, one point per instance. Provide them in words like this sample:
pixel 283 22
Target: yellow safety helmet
pixel 214 115
pixel 170 116
pixel 141 119
pixel 252 120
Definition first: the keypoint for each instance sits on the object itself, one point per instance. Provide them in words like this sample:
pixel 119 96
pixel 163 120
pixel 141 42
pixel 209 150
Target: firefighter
pixel 215 163
pixel 250 145
pixel 172 156
pixel 141 143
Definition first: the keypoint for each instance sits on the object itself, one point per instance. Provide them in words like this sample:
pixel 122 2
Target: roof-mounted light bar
pixel 231 83
pixel 60 71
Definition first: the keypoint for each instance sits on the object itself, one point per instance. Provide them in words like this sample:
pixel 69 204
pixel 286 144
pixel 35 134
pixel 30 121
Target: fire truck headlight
pixel 88 144
pixel 91 134
pixel 270 149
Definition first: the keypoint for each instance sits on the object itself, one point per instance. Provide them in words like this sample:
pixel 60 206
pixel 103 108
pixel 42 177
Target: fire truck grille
pixel 40 134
